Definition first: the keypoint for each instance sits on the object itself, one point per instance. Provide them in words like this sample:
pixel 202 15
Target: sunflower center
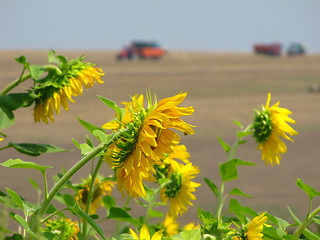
pixel 174 186
pixel 262 126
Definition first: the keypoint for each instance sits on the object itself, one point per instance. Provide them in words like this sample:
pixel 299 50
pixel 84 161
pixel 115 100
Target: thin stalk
pixel 25 77
pixel 45 184
pixel 91 193
pixel 305 223
pixel 55 213
pixel 220 203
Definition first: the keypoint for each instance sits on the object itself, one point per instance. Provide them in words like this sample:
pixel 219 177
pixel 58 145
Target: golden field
pixel 221 87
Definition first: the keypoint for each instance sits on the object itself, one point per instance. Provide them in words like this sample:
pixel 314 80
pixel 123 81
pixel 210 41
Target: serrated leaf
pixel 310 191
pixel 16 198
pixel 237 191
pixel 212 186
pixel 18 163
pixel 87 218
pixel 225 146
pixel 121 215
pixel 36 149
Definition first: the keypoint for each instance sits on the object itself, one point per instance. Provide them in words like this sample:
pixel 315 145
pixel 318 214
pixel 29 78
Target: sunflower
pixel 170 225
pixel 55 90
pixel 190 226
pixel 63 228
pixel 145 235
pixel 269 125
pixel 100 189
pixel 179 189
pixel 133 157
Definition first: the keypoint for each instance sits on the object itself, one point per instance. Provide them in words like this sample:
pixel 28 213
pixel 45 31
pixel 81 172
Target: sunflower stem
pixel 25 77
pixel 305 223
pixel 91 193
pixel 56 188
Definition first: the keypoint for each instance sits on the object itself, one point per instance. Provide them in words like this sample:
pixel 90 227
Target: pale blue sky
pixel 206 25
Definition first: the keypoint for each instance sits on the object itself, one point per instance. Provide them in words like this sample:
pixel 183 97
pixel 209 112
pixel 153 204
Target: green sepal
pixel 18 163
pixel 36 149
pixel 87 218
pixel 212 186
pixel 310 191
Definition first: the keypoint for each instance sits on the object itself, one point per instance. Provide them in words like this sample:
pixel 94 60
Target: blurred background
pixel 226 54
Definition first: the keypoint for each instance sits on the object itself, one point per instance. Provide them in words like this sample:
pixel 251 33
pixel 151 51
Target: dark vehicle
pixel 268 49
pixel 296 49
pixel 142 50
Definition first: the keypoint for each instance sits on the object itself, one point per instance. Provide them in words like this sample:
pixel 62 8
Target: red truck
pixel 142 50
pixel 268 49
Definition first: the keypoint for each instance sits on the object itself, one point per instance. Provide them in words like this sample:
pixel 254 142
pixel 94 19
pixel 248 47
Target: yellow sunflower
pixel 170 225
pixel 145 235
pixel 58 89
pixel 269 125
pixel 100 189
pixel 190 226
pixel 179 189
pixel 63 228
pixel 150 140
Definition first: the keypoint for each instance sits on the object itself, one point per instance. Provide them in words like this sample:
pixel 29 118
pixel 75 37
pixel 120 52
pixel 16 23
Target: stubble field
pixel 221 87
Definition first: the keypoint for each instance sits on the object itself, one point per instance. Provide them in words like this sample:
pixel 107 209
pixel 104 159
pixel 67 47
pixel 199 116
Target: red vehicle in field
pixel 142 50
pixel 268 49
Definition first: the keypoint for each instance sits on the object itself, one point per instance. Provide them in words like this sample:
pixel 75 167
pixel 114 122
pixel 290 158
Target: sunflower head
pixel 269 126
pixel 63 228
pixel 54 90
pixel 100 189
pixel 147 141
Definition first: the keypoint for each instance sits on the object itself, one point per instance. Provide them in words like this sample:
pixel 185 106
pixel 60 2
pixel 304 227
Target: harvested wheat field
pixel 221 87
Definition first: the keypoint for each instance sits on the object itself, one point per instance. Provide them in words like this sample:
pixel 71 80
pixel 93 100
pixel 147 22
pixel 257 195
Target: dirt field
pixel 221 87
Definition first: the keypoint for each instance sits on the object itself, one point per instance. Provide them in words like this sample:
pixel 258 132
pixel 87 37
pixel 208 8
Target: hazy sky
pixel 213 25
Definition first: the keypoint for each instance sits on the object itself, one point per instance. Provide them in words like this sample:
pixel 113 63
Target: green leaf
pixel 63 61
pixel 212 186
pixel 90 127
pixel 236 207
pixel 69 200
pixel 310 235
pixel 153 213
pixel 113 106
pixel 271 233
pixel 237 191
pixel 23 61
pixel 52 58
pixel 290 237
pixel 243 134
pixel 11 102
pixel 15 236
pixel 240 162
pixel 102 136
pixel 18 163
pixel 75 142
pixel 24 224
pixel 36 71
pixel 237 123
pixel 193 234
pixel 228 171
pixel 16 198
pixel 310 191
pixel 296 219
pixel 85 148
pixel 34 183
pixel 36 149
pixel 108 201
pixel 87 218
pixel 121 215
pixel 225 146
pixel 206 217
